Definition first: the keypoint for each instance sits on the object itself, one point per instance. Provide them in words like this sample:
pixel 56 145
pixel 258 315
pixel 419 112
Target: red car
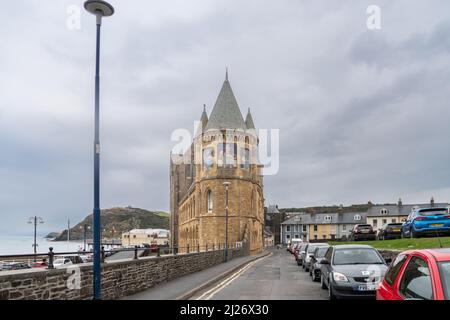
pixel 417 275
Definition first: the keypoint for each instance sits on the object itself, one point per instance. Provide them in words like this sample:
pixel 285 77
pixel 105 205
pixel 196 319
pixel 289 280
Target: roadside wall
pixel 119 278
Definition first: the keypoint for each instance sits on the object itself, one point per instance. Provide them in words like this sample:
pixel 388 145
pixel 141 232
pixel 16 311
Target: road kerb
pixel 217 278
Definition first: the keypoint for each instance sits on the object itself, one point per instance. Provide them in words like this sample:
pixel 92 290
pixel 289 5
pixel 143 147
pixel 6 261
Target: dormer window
pixel 384 211
pixel 327 218
pixel 357 217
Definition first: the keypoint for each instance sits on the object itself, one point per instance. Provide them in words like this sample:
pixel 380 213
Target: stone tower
pixel 224 149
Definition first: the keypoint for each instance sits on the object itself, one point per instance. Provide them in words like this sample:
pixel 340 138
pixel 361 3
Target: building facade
pixel 224 149
pixel 273 220
pixel 320 226
pixel 138 237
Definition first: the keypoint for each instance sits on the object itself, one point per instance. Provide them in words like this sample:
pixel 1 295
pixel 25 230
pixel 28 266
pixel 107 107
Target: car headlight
pixel 339 277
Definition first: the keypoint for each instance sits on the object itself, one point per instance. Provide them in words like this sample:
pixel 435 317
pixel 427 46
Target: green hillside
pixel 115 221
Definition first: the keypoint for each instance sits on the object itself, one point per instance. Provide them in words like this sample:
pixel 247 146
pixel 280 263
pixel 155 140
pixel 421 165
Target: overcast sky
pixel 363 114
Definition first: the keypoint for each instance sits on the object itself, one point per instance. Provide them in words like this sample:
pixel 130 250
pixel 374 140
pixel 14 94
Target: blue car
pixel 426 221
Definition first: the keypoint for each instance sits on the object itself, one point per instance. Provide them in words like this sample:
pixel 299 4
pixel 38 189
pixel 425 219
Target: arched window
pixel 209 201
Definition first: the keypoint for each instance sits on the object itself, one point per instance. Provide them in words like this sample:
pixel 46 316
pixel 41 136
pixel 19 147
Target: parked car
pixel 14 266
pixel 295 250
pixel 390 231
pixel 39 264
pixel 309 253
pixel 426 221
pixel 61 262
pixel 417 275
pixel 352 271
pixel 363 232
pixel 300 252
pixel 318 255
pixel 294 243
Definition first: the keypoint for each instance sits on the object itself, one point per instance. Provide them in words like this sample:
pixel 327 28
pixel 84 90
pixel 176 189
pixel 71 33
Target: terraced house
pixel 320 226
pixel 224 149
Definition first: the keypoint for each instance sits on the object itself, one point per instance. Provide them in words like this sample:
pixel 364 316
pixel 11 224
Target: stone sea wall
pixel 119 278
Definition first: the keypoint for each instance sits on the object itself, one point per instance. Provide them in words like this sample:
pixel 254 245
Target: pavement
pixel 185 286
pixel 275 277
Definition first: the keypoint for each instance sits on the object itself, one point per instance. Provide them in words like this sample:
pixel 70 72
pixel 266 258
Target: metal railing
pixel 48 259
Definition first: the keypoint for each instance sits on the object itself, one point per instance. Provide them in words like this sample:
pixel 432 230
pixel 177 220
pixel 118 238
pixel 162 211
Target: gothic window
pixel 245 158
pixel 209 201
pixel 227 154
pixel 208 158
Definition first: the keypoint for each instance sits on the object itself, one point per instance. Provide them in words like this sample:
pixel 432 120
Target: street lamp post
pixel 100 9
pixel 85 227
pixel 35 220
pixel 226 185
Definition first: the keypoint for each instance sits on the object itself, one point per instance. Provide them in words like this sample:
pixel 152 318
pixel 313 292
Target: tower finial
pixel 204 107
pixel 226 73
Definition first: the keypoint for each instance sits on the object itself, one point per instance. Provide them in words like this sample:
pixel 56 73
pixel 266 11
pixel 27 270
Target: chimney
pixel 400 203
pixel 370 204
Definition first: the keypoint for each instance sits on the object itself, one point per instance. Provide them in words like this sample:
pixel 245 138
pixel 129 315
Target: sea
pixel 24 245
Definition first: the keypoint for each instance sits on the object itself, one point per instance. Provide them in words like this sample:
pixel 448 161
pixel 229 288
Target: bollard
pixel 198 247
pixel 158 253
pixel 51 254
pixel 102 251
pixel 206 248
pixel 135 252
pixel 187 250
pixel 213 246
pixel 175 250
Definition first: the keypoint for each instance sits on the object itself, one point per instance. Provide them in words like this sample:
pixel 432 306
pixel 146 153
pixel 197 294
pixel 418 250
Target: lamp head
pixel 99 7
pixel 226 184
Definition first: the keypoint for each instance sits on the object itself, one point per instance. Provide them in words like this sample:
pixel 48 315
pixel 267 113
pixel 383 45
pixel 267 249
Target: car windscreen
pixel 356 256
pixel 393 225
pixel 444 270
pixel 311 249
pixel 321 252
pixel 430 213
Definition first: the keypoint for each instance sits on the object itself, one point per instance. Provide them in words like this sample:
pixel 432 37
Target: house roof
pixel 327 218
pixel 397 210
pixel 161 233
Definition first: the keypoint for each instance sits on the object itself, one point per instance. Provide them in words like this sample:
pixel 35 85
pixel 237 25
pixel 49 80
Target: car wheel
pixel 322 283
pixel 306 269
pixel 412 233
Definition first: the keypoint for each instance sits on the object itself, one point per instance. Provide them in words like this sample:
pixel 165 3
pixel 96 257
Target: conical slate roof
pixel 249 120
pixel 204 118
pixel 226 113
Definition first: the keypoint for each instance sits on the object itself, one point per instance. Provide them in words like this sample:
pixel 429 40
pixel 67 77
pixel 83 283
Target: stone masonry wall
pixel 119 278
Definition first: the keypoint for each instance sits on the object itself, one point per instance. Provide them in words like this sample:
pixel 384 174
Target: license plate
pixel 437 225
pixel 365 231
pixel 396 230
pixel 369 287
